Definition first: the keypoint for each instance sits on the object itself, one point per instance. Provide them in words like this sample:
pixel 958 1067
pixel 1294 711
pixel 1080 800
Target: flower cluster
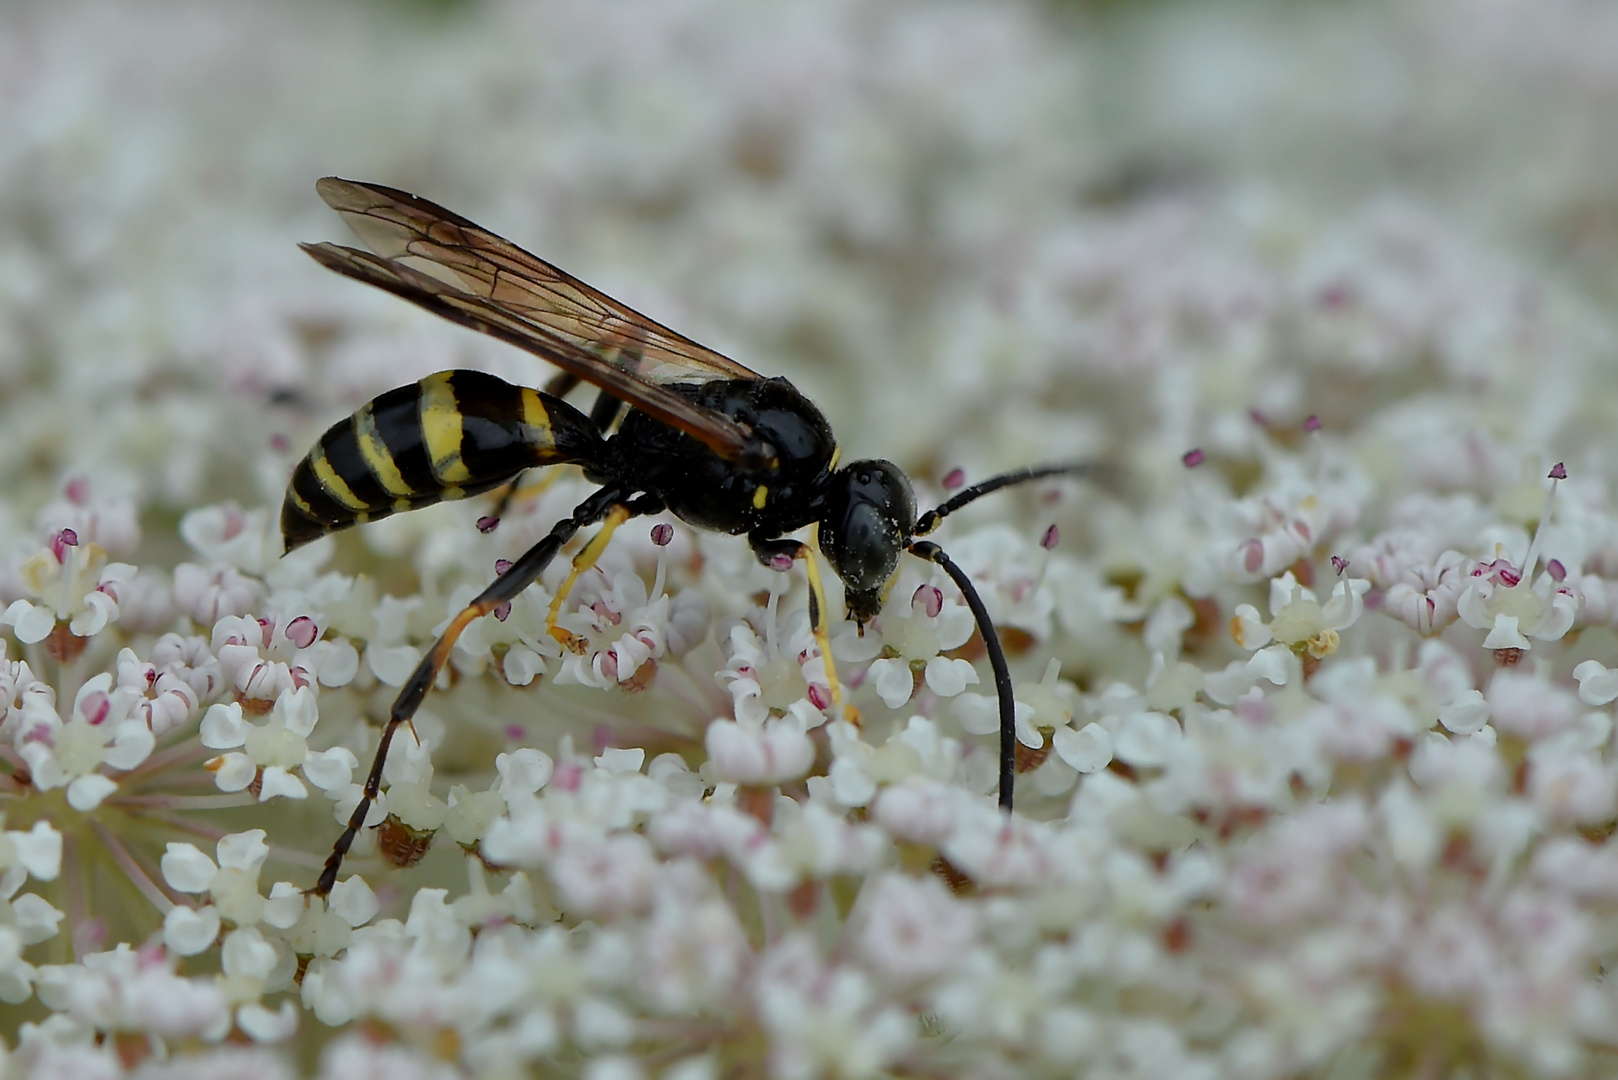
pixel 1315 669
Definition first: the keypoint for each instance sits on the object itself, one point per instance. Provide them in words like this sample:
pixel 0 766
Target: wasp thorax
pixel 870 513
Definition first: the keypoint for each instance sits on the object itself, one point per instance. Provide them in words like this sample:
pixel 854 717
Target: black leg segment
pixel 522 573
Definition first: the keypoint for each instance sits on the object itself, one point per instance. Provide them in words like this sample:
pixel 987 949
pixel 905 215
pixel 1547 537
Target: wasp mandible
pixel 676 427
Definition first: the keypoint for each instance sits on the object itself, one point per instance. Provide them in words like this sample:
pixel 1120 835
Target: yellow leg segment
pixel 583 561
pixel 513 491
pixel 817 625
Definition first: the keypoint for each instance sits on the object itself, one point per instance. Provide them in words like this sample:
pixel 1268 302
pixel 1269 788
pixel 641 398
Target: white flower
pixel 1513 611
pixel 227 534
pixel 1598 684
pixel 917 638
pixel 74 583
pixel 167 699
pixel 771 752
pixel 296 656
pixel 139 992
pixel 37 852
pixel 1298 620
pixel 208 595
pixel 767 676
pixel 273 749
pixel 100 734
pixel 18 685
pixel 913 928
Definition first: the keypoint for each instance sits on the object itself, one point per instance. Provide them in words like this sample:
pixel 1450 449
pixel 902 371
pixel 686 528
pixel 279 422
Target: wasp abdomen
pixel 453 434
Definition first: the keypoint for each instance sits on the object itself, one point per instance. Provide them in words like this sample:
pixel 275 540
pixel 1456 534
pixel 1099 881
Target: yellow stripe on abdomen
pixel 536 421
pixel 334 485
pixel 378 458
pixel 442 429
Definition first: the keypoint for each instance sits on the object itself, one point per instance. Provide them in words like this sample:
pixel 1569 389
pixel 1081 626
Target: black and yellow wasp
pixel 718 445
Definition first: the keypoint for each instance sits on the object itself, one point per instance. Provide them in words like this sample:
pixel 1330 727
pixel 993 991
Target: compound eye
pixel 869 548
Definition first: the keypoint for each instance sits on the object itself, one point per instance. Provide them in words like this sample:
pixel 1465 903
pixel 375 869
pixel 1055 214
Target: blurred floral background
pixel 1316 723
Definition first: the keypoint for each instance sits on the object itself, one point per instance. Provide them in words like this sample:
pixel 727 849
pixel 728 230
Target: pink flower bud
pixel 302 631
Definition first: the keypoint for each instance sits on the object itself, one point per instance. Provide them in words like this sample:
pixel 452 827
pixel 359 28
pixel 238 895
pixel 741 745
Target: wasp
pixel 675 427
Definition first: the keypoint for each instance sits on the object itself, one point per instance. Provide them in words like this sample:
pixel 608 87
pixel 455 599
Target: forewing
pixel 727 438
pixel 445 247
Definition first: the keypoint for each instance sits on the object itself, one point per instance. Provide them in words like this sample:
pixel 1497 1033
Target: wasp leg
pixel 930 551
pixel 519 490
pixel 561 384
pixel 775 553
pixel 606 410
pixel 522 573
pixel 583 561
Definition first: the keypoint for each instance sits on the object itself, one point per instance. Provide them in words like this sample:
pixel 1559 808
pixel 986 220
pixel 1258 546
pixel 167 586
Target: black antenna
pixel 930 551
pixel 926 549
pixel 930 520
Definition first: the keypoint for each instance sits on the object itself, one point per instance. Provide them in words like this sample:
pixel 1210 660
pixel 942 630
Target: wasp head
pixel 870 515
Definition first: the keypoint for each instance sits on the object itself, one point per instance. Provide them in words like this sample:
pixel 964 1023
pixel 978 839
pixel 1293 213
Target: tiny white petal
pixel 285 905
pixel 1273 663
pixel 893 681
pixel 234 772
pixel 336 662
pixel 946 677
pixel 393 664
pixel 223 727
pixel 298 710
pixel 1347 603
pixel 330 770
pixel 86 793
pixel 1085 750
pixel 244 851
pixel 1147 739
pixel 1028 734
pixel 187 932
pixel 39 850
pixel 278 783
pixel 31 623
pixel 1283 590
pixel 1248 628
pixel 353 901
pixel 131 745
pixel 777 750
pixel 979 714
pixel 1505 635
pixel 1598 684
pixel 43 767
pixel 187 869
pixel 627 759
pixel 34 918
pixel 850 784
pixel 268 1027
pixel 1466 715
pixel 522 665
pixel 99 609
pixel 523 772
pixel 245 953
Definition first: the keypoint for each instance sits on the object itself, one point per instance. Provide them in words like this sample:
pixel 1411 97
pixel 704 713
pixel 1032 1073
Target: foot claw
pixel 570 641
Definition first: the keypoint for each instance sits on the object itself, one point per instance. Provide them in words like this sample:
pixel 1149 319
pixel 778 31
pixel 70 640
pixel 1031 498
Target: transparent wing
pixel 461 271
